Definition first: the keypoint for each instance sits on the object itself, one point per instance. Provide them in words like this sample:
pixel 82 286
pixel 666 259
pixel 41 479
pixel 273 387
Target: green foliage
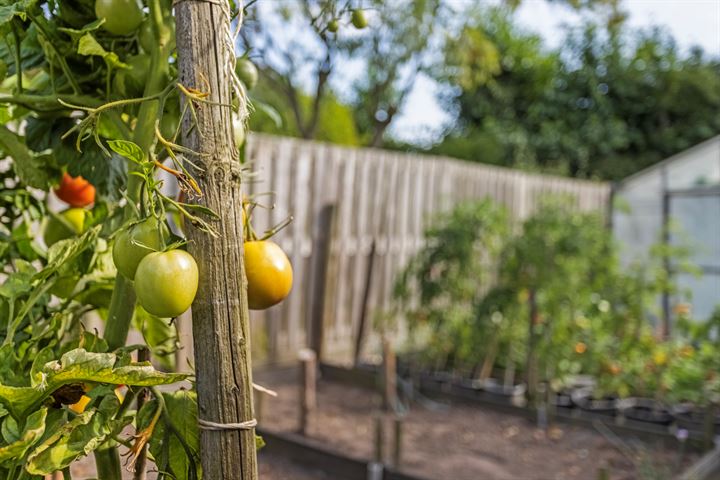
pixel 549 296
pixel 610 101
pixel 449 275
pixel 395 50
pixel 335 122
pixel 66 107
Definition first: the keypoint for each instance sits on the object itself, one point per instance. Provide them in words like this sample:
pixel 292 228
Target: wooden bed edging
pixel 366 378
pixel 313 454
pixel 707 467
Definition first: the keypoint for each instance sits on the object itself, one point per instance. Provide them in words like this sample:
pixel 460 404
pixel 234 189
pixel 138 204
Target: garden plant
pixel 96 101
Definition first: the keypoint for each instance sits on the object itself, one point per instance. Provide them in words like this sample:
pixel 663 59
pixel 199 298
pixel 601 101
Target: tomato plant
pixel 90 95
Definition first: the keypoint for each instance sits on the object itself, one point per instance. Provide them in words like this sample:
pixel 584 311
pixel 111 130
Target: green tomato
pixel 67 224
pixel 136 242
pixel 147 37
pixel 169 124
pixel 131 81
pixel 238 131
pixel 247 72
pixel 358 19
pixel 166 282
pixel 333 26
pixel 122 17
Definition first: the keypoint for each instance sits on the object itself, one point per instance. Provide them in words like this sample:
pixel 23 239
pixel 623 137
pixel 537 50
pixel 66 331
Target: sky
pixel 691 22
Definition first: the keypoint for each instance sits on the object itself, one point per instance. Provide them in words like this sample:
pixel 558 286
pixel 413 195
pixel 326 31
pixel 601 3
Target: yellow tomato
pixel 79 407
pixel 269 274
pixel 660 358
pixel 580 347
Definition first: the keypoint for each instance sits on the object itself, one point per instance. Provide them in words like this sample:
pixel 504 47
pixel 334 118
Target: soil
pixel 465 442
pixel 270 467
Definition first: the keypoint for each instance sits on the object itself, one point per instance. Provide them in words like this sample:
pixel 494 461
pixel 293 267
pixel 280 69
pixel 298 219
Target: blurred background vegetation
pixel 609 101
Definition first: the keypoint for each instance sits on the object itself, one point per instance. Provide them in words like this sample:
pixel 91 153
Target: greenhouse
pixel 683 190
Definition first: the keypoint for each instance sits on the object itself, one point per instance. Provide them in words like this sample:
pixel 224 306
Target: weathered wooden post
pixel 318 279
pixel 206 55
pixel 389 377
pixel 397 440
pixel 308 386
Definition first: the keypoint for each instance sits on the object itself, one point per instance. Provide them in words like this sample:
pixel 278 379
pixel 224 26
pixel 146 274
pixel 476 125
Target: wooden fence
pixel 381 196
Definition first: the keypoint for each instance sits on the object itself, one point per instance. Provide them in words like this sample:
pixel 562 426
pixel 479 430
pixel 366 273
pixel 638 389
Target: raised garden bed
pixel 636 416
pixel 463 441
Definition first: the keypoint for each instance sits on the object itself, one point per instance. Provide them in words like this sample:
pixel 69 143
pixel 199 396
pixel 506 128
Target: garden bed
pixel 463 441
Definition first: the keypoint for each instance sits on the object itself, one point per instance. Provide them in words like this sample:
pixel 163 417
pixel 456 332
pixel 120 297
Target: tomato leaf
pixel 170 453
pixel 31 169
pixel 83 434
pixel 127 149
pixel 9 10
pixel 160 336
pixel 88 46
pixel 77 366
pixel 22 442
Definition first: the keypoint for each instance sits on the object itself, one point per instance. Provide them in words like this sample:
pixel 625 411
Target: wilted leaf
pixel 77 366
pixel 34 429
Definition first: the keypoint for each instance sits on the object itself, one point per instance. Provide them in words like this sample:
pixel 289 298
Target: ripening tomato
pixel 80 406
pixel 75 191
pixel 247 72
pixel 134 243
pixel 122 17
pixel 66 224
pixel 166 282
pixel 358 19
pixel 269 274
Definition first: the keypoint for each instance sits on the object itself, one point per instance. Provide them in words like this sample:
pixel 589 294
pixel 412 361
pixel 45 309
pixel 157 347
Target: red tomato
pixel 76 192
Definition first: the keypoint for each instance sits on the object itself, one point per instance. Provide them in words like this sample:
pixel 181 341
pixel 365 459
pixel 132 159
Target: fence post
pixel 360 336
pixel 308 386
pixel 397 440
pixel 389 377
pixel 318 276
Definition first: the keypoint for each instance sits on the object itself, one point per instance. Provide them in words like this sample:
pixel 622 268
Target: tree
pixel 395 53
pixel 300 70
pixel 606 104
pixel 310 53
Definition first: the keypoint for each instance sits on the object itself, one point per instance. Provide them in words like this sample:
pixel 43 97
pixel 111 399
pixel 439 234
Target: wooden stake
pixel 362 321
pixel 379 444
pixel 397 440
pixel 318 277
pixel 308 387
pixel 389 377
pixel 221 321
